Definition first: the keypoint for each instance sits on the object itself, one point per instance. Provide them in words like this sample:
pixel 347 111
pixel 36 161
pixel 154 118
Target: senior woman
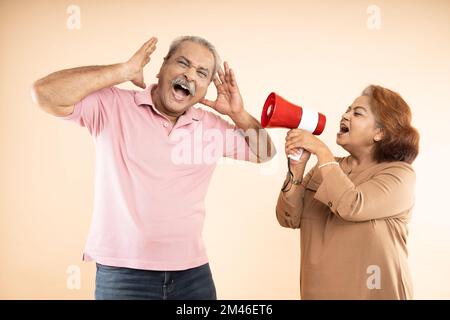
pixel 353 211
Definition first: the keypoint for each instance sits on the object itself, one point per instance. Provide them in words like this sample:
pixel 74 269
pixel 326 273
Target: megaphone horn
pixel 278 112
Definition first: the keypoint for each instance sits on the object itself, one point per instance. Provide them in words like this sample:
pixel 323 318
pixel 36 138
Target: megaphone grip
pixel 297 155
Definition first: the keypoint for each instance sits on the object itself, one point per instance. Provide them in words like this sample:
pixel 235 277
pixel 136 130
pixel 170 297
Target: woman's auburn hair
pixel 393 115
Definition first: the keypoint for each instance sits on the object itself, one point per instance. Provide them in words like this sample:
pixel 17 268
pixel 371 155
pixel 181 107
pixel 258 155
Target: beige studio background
pixel 319 54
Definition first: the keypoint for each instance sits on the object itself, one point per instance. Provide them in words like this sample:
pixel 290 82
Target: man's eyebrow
pixel 183 57
pixel 189 62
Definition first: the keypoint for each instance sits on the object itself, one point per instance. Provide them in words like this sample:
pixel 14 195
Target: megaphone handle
pixel 297 155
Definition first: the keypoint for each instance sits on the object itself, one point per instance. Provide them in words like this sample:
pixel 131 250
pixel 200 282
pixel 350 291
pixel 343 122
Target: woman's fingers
pixel 292 148
pixel 295 132
pixel 294 140
pixel 292 152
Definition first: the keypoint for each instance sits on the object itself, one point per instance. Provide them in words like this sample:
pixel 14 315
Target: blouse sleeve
pixel 389 193
pixel 288 210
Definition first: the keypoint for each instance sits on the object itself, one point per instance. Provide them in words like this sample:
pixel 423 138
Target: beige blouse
pixel 353 231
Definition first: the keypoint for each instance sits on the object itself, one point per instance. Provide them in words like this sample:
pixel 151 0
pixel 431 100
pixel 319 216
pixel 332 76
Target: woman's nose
pixel 345 116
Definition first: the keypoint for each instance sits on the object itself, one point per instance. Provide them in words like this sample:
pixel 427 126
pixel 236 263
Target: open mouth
pixel 181 89
pixel 181 92
pixel 343 129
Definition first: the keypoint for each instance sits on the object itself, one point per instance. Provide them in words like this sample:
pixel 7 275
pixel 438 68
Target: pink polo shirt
pixel 151 179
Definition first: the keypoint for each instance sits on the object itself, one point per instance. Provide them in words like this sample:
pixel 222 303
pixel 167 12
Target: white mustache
pixel 181 81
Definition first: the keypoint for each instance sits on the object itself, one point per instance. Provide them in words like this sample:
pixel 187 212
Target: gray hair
pixel 368 91
pixel 178 41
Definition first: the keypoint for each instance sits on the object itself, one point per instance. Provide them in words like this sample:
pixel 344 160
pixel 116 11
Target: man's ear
pixel 162 66
pixel 159 72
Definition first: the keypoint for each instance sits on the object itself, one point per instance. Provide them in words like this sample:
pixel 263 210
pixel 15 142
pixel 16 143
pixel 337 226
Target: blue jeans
pixel 116 283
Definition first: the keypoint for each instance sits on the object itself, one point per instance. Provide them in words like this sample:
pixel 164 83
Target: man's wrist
pixel 241 117
pixel 124 72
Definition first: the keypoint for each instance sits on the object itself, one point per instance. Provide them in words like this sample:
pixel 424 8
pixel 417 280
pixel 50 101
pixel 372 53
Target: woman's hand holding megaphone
pixel 300 139
pixel 311 144
pixel 297 164
pixel 303 158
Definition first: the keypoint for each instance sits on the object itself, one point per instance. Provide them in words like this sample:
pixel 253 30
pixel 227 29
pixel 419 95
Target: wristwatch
pixel 290 178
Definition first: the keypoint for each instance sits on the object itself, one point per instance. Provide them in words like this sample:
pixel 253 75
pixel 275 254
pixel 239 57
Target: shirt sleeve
pixel 234 143
pixel 93 111
pixel 388 193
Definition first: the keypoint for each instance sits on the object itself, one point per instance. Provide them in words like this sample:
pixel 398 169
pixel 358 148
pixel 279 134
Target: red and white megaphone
pixel 280 113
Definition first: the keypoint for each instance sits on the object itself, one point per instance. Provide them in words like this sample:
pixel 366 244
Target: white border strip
pixel 309 120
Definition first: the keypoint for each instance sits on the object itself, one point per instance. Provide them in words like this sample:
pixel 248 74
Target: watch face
pixel 288 182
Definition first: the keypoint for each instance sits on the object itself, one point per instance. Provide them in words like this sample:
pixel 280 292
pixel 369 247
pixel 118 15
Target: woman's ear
pixel 379 135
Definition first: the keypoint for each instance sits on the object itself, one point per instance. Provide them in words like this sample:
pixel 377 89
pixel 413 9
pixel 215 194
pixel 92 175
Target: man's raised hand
pixel 135 66
pixel 229 101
